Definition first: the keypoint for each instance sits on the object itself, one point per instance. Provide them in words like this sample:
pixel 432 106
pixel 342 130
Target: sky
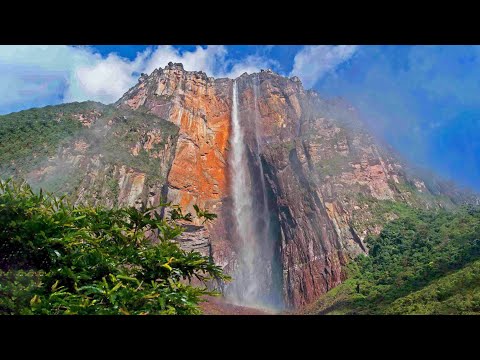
pixel 423 100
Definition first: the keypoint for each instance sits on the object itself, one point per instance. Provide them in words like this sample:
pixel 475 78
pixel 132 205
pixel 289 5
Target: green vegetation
pixel 113 187
pixel 374 212
pixel 38 145
pixel 333 166
pixel 422 198
pixel 456 293
pixel 27 138
pixel 130 128
pixel 286 146
pixel 59 259
pixel 422 262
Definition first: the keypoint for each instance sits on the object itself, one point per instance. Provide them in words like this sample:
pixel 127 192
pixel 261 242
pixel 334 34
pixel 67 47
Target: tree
pixel 56 258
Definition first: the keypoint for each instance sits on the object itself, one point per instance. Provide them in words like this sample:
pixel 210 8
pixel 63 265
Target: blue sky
pixel 424 100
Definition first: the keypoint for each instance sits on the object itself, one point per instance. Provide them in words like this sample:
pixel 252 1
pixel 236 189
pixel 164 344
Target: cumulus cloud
pixel 313 62
pixel 41 75
pixel 103 80
pixel 250 65
pixel 36 75
pixel 209 59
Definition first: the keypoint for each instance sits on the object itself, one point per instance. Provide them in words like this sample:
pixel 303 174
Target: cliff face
pixel 201 107
pixel 316 158
pixel 167 139
pixel 117 158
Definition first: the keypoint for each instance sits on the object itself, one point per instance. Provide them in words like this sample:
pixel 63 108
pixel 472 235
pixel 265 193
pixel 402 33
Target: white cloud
pixel 104 80
pixel 42 75
pixel 251 64
pixel 207 59
pixel 312 62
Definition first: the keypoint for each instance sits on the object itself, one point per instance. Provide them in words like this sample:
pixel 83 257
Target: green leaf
pixel 103 264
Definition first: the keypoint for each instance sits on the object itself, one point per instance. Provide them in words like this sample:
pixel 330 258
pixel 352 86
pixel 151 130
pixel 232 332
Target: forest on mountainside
pixel 423 262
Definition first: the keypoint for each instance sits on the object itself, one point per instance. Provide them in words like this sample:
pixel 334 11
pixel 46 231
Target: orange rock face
pixel 201 108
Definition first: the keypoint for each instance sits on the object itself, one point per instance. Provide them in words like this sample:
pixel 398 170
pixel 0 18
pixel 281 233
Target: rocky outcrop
pixel 195 238
pixel 200 107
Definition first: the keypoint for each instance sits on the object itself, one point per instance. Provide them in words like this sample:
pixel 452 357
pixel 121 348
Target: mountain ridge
pixel 168 139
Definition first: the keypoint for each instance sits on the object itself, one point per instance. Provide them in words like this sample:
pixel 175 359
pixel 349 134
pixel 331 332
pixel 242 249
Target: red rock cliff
pixel 316 155
pixel 168 138
pixel 315 158
pixel 200 107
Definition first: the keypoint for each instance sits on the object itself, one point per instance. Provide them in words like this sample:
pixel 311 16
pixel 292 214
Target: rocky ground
pixel 219 306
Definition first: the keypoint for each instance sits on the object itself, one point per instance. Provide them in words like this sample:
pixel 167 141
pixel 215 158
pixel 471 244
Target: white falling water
pixel 266 215
pixel 256 279
pixel 247 286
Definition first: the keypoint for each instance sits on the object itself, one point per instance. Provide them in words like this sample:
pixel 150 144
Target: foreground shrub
pixel 56 258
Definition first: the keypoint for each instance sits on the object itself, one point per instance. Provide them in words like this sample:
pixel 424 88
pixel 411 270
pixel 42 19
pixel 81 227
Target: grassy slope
pixel 424 262
pixel 28 137
pixel 455 293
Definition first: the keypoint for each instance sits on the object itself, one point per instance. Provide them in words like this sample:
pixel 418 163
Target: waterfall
pixel 253 283
pixel 246 287
pixel 265 212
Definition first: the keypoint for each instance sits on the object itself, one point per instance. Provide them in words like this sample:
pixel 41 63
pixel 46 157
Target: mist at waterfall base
pixel 255 277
